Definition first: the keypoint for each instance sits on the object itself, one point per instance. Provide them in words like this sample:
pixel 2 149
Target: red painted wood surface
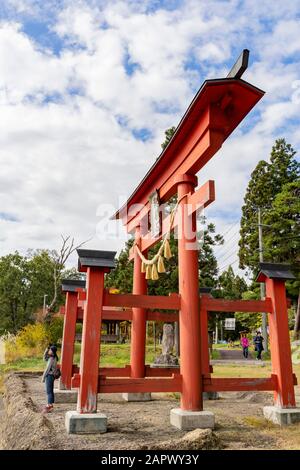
pixel 199 135
pixel 240 384
pixel 69 331
pixel 156 372
pixel 162 316
pixel 189 318
pixel 280 346
pixel 161 371
pixel 173 301
pixel 224 305
pixel 201 198
pixel 75 369
pixel 90 346
pixel 139 385
pixel 142 301
pixel 138 324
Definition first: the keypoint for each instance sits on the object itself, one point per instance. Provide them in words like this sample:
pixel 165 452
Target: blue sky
pixel 88 87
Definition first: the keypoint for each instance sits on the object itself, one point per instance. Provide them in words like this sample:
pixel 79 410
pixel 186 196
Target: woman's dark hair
pixel 54 350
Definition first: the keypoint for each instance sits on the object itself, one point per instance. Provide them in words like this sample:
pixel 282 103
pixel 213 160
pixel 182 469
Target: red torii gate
pixel 217 109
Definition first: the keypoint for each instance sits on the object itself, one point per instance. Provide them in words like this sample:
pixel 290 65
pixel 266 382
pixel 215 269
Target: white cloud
pixel 63 153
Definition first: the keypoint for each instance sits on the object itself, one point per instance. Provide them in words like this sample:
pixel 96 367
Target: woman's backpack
pixel 57 373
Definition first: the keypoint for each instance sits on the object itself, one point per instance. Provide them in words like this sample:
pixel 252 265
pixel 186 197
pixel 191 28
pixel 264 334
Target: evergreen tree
pixel 230 286
pixel 168 136
pixel 267 180
pixel 282 240
pixel 274 188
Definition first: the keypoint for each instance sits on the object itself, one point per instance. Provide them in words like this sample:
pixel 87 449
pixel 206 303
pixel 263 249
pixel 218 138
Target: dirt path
pixel 132 425
pixel 239 422
pixel 233 354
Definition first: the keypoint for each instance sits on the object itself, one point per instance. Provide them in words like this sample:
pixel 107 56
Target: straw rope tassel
pixel 154 273
pixel 160 265
pixel 148 266
pixel 149 271
pixel 167 249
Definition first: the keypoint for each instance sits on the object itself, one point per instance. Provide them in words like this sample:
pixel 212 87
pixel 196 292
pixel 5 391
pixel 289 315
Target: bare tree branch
pixel 59 260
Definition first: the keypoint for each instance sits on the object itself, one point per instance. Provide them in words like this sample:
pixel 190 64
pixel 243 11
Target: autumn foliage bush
pixel 32 340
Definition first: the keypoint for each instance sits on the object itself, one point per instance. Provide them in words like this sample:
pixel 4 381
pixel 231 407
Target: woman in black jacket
pixel 49 376
pixel 258 343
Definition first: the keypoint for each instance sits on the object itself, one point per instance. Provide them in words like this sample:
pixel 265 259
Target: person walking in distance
pixel 258 343
pixel 49 376
pixel 245 345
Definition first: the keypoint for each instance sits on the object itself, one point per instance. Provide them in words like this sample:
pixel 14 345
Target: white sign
pixel 229 323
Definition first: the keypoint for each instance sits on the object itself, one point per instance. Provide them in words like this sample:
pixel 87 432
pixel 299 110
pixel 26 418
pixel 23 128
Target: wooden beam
pixel 172 302
pixel 161 371
pixel 143 385
pixel 224 305
pixel 120 315
pixel 210 304
pixel 162 316
pixel 201 198
pixel 239 384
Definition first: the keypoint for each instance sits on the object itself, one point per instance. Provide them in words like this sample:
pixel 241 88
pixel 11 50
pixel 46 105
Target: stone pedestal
pixel 90 423
pixel 136 396
pixel 210 396
pixel 189 420
pixel 65 396
pixel 282 416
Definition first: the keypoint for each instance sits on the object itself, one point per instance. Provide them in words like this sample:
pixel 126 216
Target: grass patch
pixel 115 355
pixel 236 370
pixel 258 422
pixel 215 354
pixel 27 363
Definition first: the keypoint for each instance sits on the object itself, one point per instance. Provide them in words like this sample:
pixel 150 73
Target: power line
pixel 229 264
pixel 226 251
pixel 227 231
pixel 227 257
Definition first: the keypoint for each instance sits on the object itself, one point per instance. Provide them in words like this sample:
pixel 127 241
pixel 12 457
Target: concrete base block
pixel 136 396
pixel 65 396
pixel 210 396
pixel 282 416
pixel 90 423
pixel 189 420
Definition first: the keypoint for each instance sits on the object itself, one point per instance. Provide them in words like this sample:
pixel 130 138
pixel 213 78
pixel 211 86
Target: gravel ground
pixel 239 422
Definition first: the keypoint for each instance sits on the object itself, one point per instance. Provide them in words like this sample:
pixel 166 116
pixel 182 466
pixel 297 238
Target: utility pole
pixel 216 335
pixel 262 284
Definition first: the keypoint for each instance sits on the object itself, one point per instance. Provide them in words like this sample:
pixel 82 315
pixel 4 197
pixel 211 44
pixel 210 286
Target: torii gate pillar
pixel 138 328
pixel 71 288
pixel 86 419
pixel 284 412
pixel 190 415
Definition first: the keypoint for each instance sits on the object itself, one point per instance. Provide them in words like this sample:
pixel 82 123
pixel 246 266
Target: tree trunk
pixel 297 320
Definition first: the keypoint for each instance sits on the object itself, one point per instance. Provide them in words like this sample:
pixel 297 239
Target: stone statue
pixel 167 358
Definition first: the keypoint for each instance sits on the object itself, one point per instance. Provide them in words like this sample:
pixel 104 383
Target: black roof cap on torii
pixel 71 285
pixel 279 271
pixel 95 258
